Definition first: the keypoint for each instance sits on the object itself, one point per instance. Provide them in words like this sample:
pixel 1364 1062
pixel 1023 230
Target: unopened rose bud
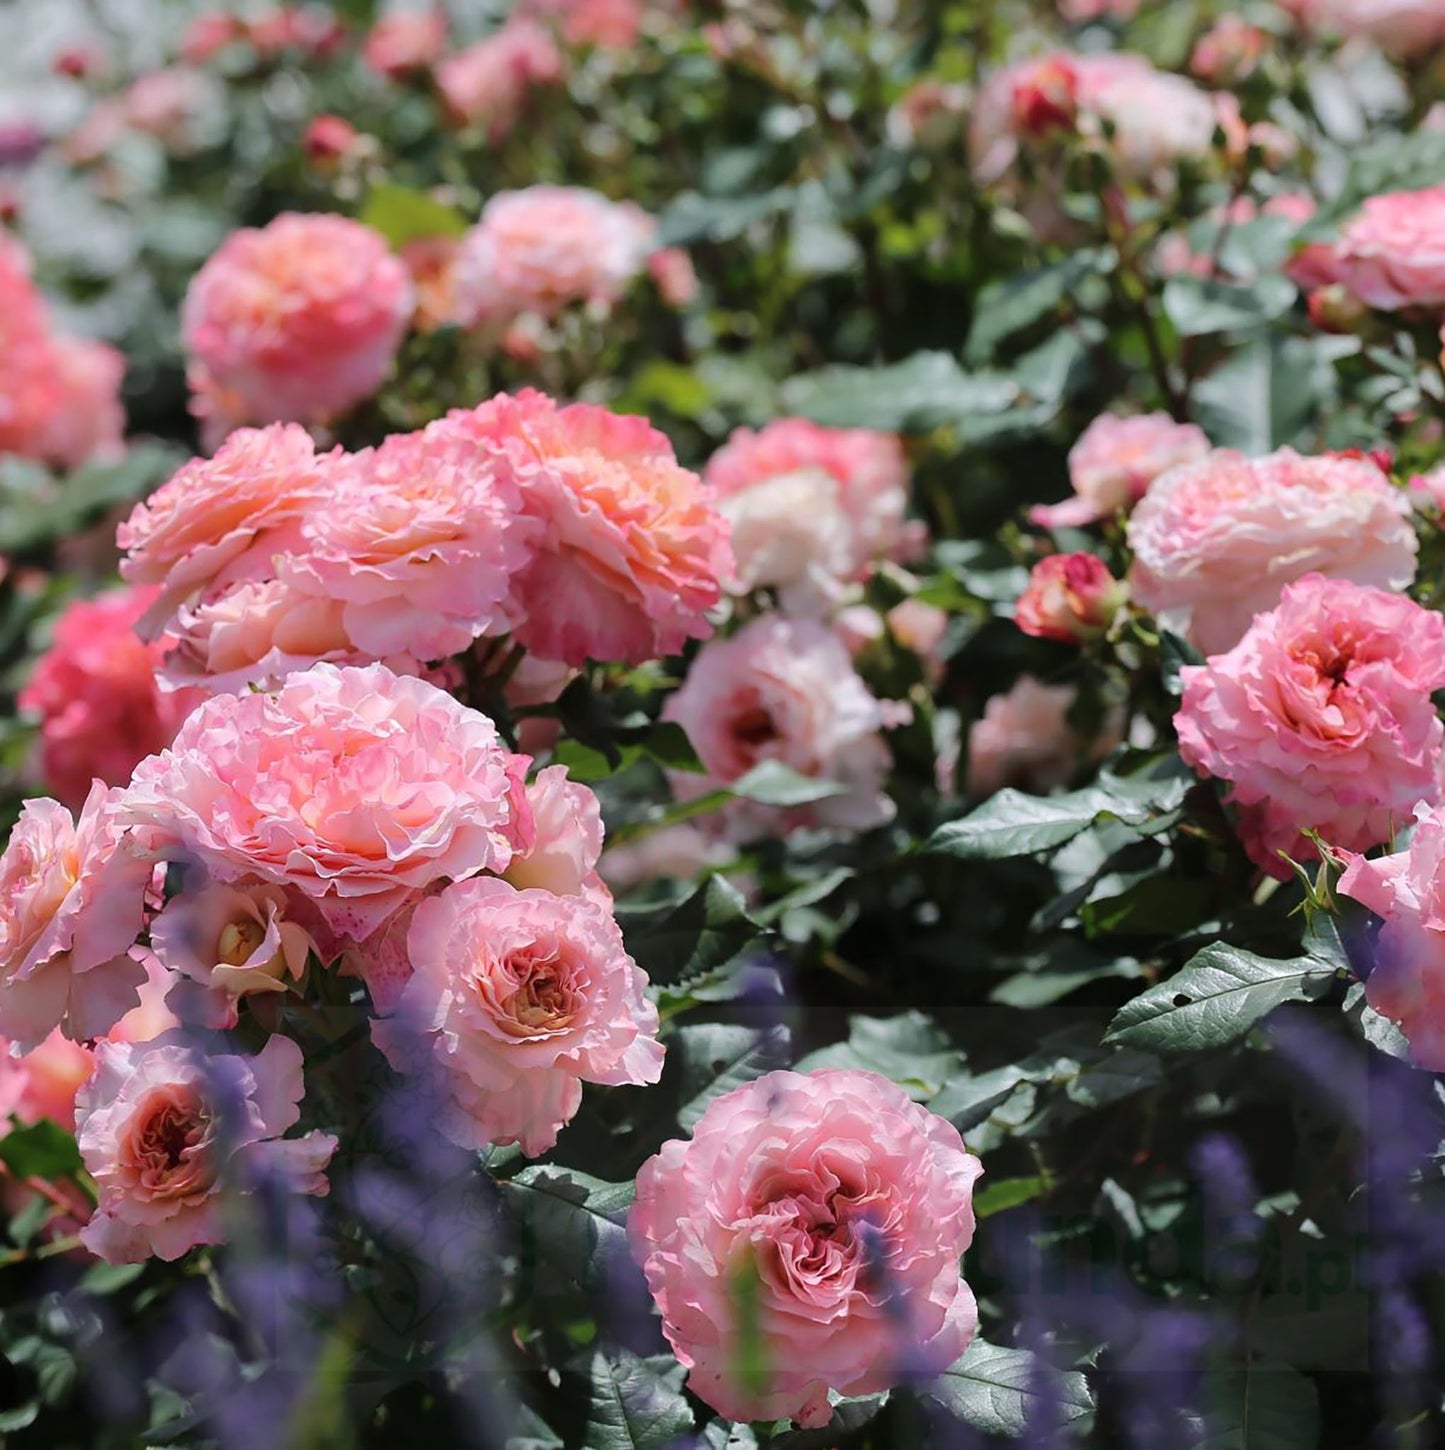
pixel 1335 309
pixel 1070 597
pixel 80 62
pixel 329 141
pixel 1046 99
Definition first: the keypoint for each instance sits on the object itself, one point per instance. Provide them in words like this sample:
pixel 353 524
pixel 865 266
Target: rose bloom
pixel 1229 50
pixel 208 34
pixel 221 520
pixel 868 467
pixel 517 999
pixel 1391 254
pixel 785 690
pixel 812 1227
pixel 1024 739
pixel 171 105
pixel 432 263
pixel 487 84
pixel 354 788
pixel 72 902
pixel 95 693
pixel 1321 719
pixel 168 1133
pixel 1215 541
pixel 1082 10
pixel 566 838
pixel 419 542
pixel 1070 597
pixel 89 419
pixel 296 321
pixel 608 24
pixel 405 42
pixel 543 248
pixel 631 551
pixel 1113 463
pixel 1404 28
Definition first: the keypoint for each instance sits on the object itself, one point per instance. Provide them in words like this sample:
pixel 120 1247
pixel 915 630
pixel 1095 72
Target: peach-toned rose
pixel 811 1230
pixel 432 264
pixel 566 840
pixel 44 1081
pixel 1070 597
pixel 785 690
pixel 420 542
pixel 167 1131
pixel 518 998
pixel 488 84
pixel 631 551
pixel 222 520
pixel 1113 463
pixel 95 693
pixel 72 902
pixel 406 41
pixel 296 321
pixel 1407 981
pixel 1215 541
pixel 355 788
pixel 541 249
pixel 1321 719
pixel 1024 739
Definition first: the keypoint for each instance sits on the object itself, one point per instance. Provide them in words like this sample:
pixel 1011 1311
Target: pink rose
pixel 517 999
pixel 631 552
pixel 543 248
pixel 1070 597
pixel 171 105
pixel 1407 889
pixel 1391 254
pixel 1321 719
pixel 1024 739
pixel 72 903
pixel 1229 50
pixel 419 542
pixel 295 321
pixel 868 467
pixel 95 693
pixel 1215 541
pixel 89 421
pixel 166 1131
pixel 355 788
pixel 1114 462
pixel 608 24
pixel 44 1081
pixel 223 519
pixel 1080 11
pixel 209 34
pixel 1404 28
pixel 405 41
pixel 813 1227
pixel 488 84
pixel 673 853
pixel 785 690
pixel 562 855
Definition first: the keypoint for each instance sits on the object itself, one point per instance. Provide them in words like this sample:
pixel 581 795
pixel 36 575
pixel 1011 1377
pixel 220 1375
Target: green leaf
pixel 41 1150
pixel 910 1049
pixel 691 217
pixel 771 783
pixel 1005 1194
pixel 1265 395
pixel 1378 1031
pixel 682 945
pixel 1198 306
pixel 402 215
pixel 569 1226
pixel 1216 998
pixel 633 1404
pixel 1012 823
pixel 928 390
pixel 1262 1406
pixel 1018 301
pixel 718 1057
pixel 994 1389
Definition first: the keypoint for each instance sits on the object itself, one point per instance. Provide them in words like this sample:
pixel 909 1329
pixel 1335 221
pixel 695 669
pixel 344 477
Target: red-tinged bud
pixel 1070 597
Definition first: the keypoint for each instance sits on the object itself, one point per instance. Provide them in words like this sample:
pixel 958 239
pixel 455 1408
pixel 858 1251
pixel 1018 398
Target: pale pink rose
pixel 785 689
pixel 683 852
pixel 406 41
pixel 920 627
pixel 296 321
pixel 234 940
pixel 1024 739
pixel 95 694
pixel 543 248
pixel 810 1230
pixel 169 1134
pixel 256 633
pixel 1391 255
pixel 44 1081
pixel 355 788
pixel 631 551
pixel 1070 597
pixel 868 467
pixel 1404 28
pixel 608 24
pixel 221 520
pixel 517 999
pixel 488 84
pixel 72 903
pixel 171 105
pixel 1215 541
pixel 929 114
pixel 150 1017
pixel 673 275
pixel 1229 50
pixel 1320 718
pixel 567 842
pixel 90 419
pixel 1429 490
pixel 420 541
pixel 1113 463
pixel 1407 981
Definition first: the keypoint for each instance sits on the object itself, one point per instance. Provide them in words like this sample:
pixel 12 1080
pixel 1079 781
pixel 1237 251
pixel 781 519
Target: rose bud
pixel 1046 99
pixel 329 141
pixel 1072 597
